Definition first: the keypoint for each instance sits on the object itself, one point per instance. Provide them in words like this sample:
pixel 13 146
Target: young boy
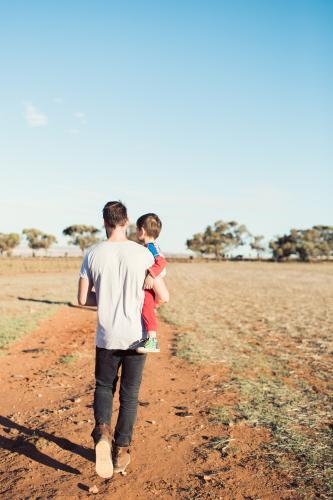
pixel 148 229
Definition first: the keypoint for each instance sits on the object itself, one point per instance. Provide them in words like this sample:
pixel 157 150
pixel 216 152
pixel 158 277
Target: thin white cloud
pixel 34 117
pixel 73 131
pixel 58 100
pixel 81 116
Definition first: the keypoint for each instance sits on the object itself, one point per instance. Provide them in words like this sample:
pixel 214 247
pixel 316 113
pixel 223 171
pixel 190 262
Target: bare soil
pixel 177 451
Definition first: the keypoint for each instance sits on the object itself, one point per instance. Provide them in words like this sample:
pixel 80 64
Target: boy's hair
pixel 151 223
pixel 115 214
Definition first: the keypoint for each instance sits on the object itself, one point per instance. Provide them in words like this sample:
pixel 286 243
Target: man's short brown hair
pixel 115 214
pixel 151 223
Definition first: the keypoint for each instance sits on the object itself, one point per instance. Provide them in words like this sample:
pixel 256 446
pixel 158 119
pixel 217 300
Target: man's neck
pixel 117 234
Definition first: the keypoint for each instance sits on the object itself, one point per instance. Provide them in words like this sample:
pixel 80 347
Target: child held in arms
pixel 148 229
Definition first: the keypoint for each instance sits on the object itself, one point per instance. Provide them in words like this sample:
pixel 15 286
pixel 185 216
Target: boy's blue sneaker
pixel 150 345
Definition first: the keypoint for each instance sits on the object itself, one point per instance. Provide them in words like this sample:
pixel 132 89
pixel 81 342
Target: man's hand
pixel 149 282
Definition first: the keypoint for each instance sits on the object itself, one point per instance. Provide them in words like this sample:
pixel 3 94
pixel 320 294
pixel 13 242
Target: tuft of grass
pixel 69 359
pixel 185 349
pixel 221 444
pixel 220 414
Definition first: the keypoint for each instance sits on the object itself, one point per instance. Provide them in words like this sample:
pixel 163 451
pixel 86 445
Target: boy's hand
pixel 149 282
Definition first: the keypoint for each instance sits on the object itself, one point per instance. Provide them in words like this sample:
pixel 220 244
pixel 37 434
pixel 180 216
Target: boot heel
pixel 104 466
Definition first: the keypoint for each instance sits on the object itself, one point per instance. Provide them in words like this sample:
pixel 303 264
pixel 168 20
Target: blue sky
pixel 198 111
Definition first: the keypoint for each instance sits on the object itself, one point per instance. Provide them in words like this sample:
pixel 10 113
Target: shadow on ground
pixel 55 302
pixel 25 444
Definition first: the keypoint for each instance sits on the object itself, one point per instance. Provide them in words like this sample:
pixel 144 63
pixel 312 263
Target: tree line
pixel 222 237
pixel 80 235
pixel 216 241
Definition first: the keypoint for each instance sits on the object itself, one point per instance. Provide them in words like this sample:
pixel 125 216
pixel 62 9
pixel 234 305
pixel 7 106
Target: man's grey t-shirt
pixel 117 271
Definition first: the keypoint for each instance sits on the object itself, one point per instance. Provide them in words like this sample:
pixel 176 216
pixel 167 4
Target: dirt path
pixel 46 419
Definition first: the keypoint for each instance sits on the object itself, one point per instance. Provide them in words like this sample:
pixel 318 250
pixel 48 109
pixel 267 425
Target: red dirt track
pixel 46 420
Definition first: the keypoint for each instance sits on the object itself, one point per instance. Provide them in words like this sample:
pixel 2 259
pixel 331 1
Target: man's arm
pixel 85 295
pixel 161 292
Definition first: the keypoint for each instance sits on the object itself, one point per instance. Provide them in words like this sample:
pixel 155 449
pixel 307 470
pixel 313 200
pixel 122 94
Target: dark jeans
pixel 108 362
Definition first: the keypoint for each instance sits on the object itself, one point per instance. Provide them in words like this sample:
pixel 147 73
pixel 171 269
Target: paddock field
pixel 268 326
pixel 271 326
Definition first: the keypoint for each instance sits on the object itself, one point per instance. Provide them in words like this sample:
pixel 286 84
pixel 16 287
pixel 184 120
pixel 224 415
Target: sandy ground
pixel 46 420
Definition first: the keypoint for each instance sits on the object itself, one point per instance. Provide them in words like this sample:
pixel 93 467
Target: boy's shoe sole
pixel 104 465
pixel 143 350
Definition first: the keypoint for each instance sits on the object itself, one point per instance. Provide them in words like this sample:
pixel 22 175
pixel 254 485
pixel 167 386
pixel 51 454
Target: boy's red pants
pixel 148 311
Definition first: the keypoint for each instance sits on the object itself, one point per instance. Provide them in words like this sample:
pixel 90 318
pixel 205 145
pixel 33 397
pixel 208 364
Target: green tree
pixel 8 242
pixel 257 245
pixel 305 244
pixel 324 239
pixel 81 235
pixel 37 239
pixel 282 247
pixel 218 239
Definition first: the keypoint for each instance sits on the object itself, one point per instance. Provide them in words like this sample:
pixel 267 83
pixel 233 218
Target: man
pixel 116 269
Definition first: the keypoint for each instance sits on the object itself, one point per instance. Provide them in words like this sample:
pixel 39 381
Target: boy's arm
pixel 154 271
pixel 158 266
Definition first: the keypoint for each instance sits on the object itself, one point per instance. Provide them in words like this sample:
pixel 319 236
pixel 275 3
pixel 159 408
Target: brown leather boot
pixel 99 431
pixel 121 458
pixel 102 439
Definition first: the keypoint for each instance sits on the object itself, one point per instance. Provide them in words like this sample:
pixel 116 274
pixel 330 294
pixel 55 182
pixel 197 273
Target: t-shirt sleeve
pixel 153 249
pixel 85 271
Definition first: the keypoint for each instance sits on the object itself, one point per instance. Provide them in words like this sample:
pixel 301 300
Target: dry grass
pixel 27 298
pixel 272 325
pixel 19 265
